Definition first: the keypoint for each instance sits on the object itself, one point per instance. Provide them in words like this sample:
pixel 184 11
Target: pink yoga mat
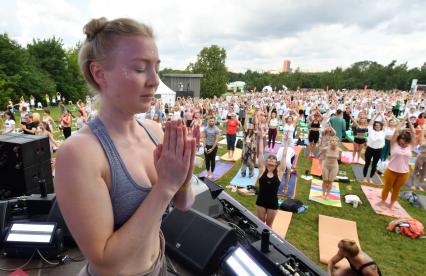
pixel 220 169
pixel 374 196
pixel 347 158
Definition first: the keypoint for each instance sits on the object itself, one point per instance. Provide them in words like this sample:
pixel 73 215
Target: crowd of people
pixel 123 202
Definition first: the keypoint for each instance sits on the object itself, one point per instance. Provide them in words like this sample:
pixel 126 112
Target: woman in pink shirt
pixel 398 169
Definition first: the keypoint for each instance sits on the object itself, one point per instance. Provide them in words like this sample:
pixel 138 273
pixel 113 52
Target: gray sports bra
pixel 126 195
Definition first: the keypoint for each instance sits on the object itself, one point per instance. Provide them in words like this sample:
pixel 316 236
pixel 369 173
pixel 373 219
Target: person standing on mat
pixel 330 165
pixel 360 263
pixel 398 170
pixel 359 141
pixel 231 126
pixel 338 124
pixel 419 172
pixel 269 180
pixel 211 135
pixel 249 150
pixel 314 132
pixel 375 144
pixel 326 135
pixel 389 130
pixel 273 129
pixel 113 196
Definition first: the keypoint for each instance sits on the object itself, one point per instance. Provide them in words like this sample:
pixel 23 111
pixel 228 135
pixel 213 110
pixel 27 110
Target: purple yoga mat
pixel 220 169
pixel 275 149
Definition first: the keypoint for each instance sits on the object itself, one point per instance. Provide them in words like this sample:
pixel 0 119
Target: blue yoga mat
pixel 291 187
pixel 244 181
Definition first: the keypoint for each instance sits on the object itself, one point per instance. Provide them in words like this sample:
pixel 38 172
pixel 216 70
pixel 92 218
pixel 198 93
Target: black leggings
pixel 67 132
pixel 272 136
pixel 230 140
pixel 210 158
pixel 374 154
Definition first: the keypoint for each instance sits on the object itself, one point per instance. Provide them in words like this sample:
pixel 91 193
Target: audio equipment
pixel 24 162
pixel 198 241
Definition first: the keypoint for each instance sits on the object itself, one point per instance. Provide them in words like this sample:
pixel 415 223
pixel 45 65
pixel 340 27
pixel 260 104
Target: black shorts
pixel 313 137
pixel 359 141
pixel 188 123
pixel 301 112
pixel 267 203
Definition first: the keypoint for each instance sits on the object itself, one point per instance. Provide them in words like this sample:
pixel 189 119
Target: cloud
pixel 319 34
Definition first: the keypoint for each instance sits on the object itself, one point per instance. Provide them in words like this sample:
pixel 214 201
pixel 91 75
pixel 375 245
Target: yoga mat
pixel 281 223
pixel 357 169
pixel 332 230
pixel 237 155
pixel 220 169
pixel 410 182
pixel 416 150
pixel 349 146
pixel 291 187
pixel 244 181
pixel 347 158
pixel 333 198
pixel 306 152
pixel 349 135
pixel 374 196
pixel 274 149
pixel 315 167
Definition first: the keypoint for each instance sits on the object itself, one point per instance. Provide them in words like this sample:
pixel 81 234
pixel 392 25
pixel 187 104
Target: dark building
pixel 184 84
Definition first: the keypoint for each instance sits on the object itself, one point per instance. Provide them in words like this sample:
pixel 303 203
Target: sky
pixel 315 35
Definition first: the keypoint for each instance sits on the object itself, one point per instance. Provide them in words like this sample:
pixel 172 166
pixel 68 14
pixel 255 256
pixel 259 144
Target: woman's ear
pixel 98 74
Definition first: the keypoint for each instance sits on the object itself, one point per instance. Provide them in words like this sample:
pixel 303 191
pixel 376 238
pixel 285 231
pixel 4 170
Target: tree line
pixel 46 67
pixel 357 76
pixel 42 67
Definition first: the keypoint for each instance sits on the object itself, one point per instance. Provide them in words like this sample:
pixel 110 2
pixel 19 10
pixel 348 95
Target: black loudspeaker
pixel 24 160
pixel 205 204
pixel 198 241
pixel 55 215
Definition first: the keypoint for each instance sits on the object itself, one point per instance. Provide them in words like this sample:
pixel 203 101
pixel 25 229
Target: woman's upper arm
pixel 83 196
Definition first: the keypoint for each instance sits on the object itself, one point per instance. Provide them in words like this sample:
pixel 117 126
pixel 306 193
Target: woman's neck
pixel 117 120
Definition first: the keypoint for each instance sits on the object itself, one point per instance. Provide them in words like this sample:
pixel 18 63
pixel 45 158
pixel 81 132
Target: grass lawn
pixel 395 254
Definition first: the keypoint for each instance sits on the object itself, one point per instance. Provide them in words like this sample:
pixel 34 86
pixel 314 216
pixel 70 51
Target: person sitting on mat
pixel 330 165
pixel 360 263
pixel 269 180
pixel 398 170
pixel 375 144
pixel 359 141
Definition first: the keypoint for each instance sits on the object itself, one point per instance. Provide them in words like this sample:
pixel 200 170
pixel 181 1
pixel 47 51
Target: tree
pixel 19 76
pixel 61 65
pixel 211 63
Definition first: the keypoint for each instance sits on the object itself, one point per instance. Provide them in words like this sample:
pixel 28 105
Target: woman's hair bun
pixel 94 26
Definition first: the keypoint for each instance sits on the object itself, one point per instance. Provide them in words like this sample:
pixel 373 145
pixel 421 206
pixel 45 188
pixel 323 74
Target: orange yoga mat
pixel 315 167
pixel 331 231
pixel 349 146
pixel 281 223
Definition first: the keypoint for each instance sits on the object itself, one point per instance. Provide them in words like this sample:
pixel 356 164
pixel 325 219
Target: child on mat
pixel 330 166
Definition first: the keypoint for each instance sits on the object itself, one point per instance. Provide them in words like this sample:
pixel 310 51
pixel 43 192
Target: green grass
pixel 395 254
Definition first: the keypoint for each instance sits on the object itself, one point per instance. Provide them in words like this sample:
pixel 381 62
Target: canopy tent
pixel 267 88
pixel 236 85
pixel 165 94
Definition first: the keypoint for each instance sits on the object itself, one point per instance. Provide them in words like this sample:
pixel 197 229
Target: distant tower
pixel 286 66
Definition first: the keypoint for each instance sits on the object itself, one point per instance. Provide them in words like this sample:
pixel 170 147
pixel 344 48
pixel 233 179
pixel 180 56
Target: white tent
pixel 166 95
pixel 267 88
